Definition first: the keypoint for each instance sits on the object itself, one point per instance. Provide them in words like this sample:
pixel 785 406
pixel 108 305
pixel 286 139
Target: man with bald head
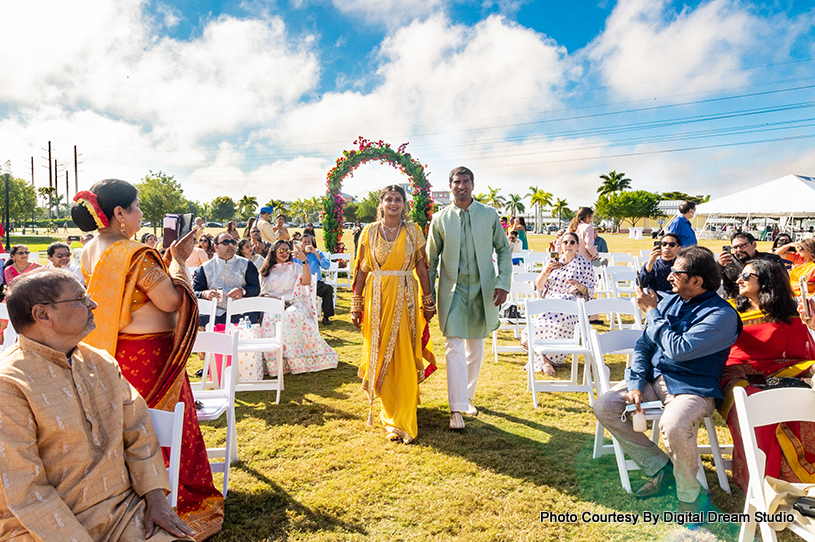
pixel 80 459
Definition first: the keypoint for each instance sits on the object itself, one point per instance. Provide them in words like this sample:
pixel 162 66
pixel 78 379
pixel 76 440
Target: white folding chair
pixel 525 277
pixel 265 305
pixel 575 346
pixel 621 279
pixel 621 342
pixel 34 257
pixel 330 277
pixel 601 287
pixel 757 410
pixel 520 268
pixel 536 261
pixel 645 253
pixel 317 306
pixel 615 308
pixel 208 307
pixel 9 334
pixel 518 293
pixel 221 401
pixel 343 274
pixel 169 427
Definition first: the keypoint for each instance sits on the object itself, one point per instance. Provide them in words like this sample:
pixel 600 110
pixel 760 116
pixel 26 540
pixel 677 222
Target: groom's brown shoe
pixel 658 484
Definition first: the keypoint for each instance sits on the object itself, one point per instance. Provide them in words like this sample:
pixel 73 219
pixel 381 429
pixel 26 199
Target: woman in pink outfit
pixel 581 225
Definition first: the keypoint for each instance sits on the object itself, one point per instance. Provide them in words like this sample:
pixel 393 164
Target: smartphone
pixel 657 243
pixel 176 226
pixel 554 255
pixel 804 297
pixel 726 249
pixel 805 505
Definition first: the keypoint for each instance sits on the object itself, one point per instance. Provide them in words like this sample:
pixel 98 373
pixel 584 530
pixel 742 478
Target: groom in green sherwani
pixel 461 242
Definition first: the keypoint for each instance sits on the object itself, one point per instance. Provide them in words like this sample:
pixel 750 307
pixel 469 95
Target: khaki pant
pixel 678 427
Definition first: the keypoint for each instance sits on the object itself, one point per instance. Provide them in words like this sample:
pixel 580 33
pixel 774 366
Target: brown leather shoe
pixel 657 485
pixel 701 504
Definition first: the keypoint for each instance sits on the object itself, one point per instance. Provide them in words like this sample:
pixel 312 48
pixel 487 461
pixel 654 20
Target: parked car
pixel 214 225
pixel 318 225
pixel 552 228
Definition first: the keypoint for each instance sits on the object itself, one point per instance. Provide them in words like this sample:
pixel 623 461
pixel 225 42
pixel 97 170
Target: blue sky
pixel 260 96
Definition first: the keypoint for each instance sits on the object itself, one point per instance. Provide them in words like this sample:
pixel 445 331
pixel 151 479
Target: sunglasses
pixel 746 276
pixel 676 271
pixel 284 250
pixel 65 255
pixel 570 242
pixel 228 242
pixel 21 252
pixel 669 244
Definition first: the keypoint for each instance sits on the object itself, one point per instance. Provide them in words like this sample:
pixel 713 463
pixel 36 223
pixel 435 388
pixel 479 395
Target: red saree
pixel 763 350
pixel 155 365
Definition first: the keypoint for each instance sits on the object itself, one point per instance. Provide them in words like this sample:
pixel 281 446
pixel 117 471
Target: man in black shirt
pixel 743 249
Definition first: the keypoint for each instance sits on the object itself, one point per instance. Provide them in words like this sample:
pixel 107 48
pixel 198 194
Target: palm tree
pixel 280 206
pixel 539 198
pixel 494 199
pixel 558 208
pixel 613 182
pixel 481 198
pixel 514 204
pixel 299 209
pixel 247 206
pixel 47 194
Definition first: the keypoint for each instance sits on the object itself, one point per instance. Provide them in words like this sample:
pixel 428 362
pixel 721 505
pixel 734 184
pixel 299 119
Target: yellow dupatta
pixel 391 294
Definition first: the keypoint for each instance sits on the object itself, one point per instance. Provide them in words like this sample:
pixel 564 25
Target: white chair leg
pixel 622 466
pixel 531 378
pixel 700 474
pixel 747 532
pixel 716 451
pixel 588 380
pixel 495 345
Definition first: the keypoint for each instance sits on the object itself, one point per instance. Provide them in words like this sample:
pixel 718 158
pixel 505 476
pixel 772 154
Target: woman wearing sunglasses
pixel 774 343
pixel 569 277
pixel 781 240
pixel 18 263
pixel 654 274
pixel 203 252
pixel 283 275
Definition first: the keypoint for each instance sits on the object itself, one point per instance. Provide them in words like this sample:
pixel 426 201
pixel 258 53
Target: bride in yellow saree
pixel 385 305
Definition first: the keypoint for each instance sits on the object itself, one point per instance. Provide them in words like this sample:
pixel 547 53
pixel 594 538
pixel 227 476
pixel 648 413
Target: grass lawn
pixel 311 470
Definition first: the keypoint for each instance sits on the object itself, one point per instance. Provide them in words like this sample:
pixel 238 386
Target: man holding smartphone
pixel 742 250
pixel 317 261
pixel 654 274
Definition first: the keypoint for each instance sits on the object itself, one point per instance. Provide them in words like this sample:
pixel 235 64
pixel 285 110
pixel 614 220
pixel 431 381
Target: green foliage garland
pixel 421 208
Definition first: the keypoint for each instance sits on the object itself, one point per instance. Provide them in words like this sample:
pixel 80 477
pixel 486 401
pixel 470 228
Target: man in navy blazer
pixel 679 360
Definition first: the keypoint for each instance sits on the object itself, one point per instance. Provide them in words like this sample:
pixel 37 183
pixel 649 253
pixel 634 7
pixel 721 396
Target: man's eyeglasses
pixel 62 255
pixel 85 300
pixel 676 271
pixel 228 242
pixel 669 243
pixel 737 247
pixel 570 242
pixel 746 276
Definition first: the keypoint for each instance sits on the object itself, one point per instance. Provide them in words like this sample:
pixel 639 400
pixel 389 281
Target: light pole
pixel 7 172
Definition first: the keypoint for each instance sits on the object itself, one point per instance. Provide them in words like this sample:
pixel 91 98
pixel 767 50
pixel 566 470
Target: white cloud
pixel 391 13
pixel 645 50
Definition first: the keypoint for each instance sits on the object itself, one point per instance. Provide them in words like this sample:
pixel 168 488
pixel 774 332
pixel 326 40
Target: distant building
pixel 441 197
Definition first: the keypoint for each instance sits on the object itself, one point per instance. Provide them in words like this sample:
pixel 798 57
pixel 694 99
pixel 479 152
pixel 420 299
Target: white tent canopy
pixel 791 196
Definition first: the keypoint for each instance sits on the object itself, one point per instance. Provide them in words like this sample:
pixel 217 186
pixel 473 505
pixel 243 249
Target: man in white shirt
pixel 59 257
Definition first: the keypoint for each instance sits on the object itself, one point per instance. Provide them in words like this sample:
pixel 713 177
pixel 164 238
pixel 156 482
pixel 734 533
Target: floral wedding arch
pixel 421 208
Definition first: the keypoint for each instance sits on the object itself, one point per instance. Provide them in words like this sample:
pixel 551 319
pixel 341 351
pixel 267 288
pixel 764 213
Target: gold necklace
pixel 393 229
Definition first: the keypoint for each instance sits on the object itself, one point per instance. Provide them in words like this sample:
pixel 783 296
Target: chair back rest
pixel 208 307
pixel 619 305
pixel 9 334
pixel 621 257
pixel 646 253
pixel 525 277
pixel 169 427
pixel 225 344
pixel 252 304
pixel 766 408
pixel 562 306
pixel 609 343
pixel 518 269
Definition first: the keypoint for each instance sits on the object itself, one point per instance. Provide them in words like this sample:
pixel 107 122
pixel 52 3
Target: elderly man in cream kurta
pixel 462 239
pixel 79 460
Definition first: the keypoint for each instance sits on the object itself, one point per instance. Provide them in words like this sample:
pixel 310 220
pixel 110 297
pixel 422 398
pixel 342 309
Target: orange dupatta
pixel 112 286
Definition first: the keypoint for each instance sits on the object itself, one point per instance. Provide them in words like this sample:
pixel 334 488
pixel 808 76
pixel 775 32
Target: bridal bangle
pixel 357 303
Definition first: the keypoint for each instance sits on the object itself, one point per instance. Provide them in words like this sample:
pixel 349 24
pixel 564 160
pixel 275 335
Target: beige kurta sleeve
pixel 142 452
pixel 28 495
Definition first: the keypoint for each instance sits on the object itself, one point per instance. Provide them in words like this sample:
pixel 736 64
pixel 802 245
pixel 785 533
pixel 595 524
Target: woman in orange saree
pixel 774 344
pixel 147 319
pixel 385 305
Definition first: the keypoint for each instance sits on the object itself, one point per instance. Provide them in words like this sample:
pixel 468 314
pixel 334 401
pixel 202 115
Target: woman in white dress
pixel 570 277
pixel 286 278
